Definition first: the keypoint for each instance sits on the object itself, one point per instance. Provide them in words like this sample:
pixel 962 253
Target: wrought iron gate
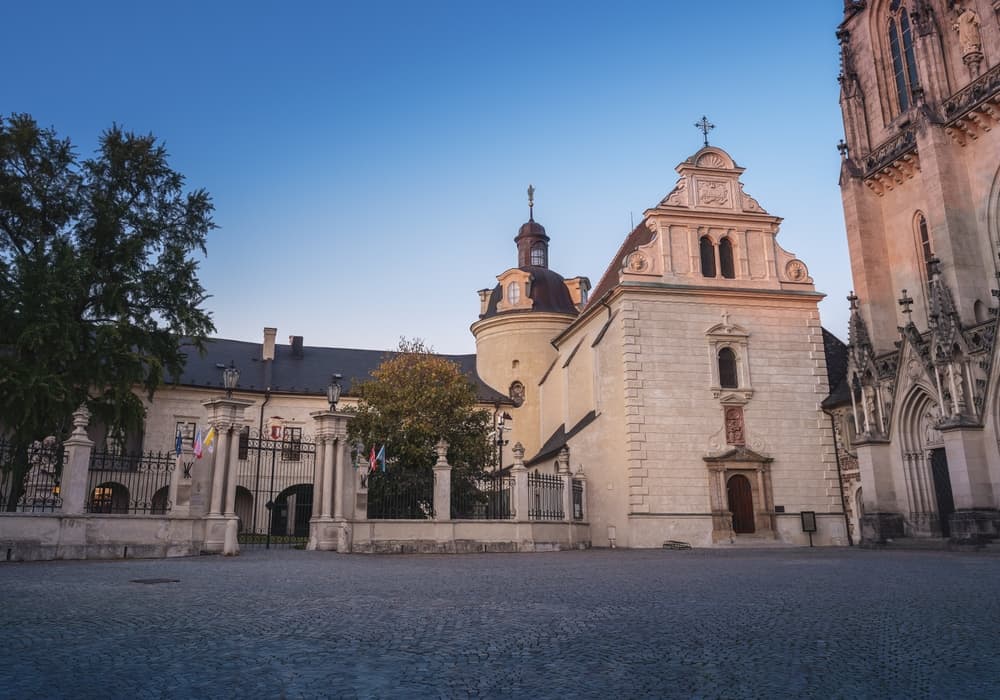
pixel 274 489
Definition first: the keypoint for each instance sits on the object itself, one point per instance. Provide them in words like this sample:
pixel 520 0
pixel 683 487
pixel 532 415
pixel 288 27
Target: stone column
pixel 520 474
pixel 329 459
pixel 581 477
pixel 882 518
pixel 76 470
pixel 317 492
pixel 221 523
pixel 442 482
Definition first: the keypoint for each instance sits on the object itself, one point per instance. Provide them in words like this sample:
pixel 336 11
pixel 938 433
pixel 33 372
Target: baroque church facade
pixel 919 412
pixel 686 385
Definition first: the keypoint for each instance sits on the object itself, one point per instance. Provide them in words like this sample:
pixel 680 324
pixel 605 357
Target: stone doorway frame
pixel 757 470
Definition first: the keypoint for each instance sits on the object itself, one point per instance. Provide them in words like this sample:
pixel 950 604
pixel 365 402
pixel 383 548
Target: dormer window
pixel 513 293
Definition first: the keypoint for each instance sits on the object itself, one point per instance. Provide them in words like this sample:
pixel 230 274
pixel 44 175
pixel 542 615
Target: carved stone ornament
pixel 796 271
pixel 679 196
pixel 637 262
pixel 713 193
pixel 967 25
pixel 749 203
pixel 711 160
pixel 734 426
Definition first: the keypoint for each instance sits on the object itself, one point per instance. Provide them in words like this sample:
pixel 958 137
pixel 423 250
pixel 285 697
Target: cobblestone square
pixel 822 623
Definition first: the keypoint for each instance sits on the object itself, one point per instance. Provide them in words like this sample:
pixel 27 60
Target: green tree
pixel 413 399
pixel 97 283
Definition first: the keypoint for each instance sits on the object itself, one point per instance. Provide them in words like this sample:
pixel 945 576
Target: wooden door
pixel 942 489
pixel 741 504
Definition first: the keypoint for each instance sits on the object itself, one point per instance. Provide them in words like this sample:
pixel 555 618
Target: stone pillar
pixel 360 488
pixel 582 478
pixel 442 482
pixel 317 500
pixel 882 517
pixel 221 523
pixel 180 483
pixel 975 518
pixel 76 470
pixel 326 533
pixel 567 478
pixel 520 474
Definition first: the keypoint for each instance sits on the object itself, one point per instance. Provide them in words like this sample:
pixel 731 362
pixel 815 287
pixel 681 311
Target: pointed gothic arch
pixel 922 448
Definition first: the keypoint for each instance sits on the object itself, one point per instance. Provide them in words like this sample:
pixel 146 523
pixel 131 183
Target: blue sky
pixel 369 161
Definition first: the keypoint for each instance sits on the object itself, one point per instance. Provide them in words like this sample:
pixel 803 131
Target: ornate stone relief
pixel 735 434
pixel 711 160
pixel 796 271
pixel 713 193
pixel 637 262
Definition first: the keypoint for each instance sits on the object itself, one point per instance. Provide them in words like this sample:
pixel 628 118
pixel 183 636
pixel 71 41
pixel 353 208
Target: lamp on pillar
pixel 502 427
pixel 230 378
pixel 334 390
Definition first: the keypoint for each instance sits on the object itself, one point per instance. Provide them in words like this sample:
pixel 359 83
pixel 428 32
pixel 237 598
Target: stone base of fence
pixel 466 536
pixel 44 536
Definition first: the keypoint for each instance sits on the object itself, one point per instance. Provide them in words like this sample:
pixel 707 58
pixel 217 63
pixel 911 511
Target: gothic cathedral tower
pixel 920 180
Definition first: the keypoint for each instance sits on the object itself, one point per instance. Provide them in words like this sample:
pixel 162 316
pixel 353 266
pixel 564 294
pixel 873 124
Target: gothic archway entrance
pixel 741 504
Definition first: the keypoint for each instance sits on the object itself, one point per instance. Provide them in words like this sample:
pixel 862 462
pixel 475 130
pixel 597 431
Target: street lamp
pixel 502 419
pixel 334 390
pixel 230 378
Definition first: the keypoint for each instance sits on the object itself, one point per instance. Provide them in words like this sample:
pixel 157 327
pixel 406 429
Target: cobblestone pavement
pixel 597 624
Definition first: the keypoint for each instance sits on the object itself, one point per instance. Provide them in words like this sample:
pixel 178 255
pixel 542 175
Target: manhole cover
pixel 155 580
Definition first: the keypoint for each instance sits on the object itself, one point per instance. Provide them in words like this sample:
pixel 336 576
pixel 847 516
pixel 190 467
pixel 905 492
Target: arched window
pixel 707 257
pixel 728 378
pixel 726 259
pixel 538 255
pixel 904 63
pixel 926 249
pixel 513 292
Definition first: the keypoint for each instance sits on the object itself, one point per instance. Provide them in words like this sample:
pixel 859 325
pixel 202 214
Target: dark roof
pixel 640 235
pixel 836 370
pixel 559 438
pixel 308 374
pixel 531 228
pixel 548 292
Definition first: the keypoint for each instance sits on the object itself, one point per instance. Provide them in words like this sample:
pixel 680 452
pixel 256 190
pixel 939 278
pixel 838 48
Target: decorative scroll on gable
pixel 644 262
pixel 710 179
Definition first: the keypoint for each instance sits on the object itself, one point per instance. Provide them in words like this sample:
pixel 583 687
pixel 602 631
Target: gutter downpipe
pixel 840 479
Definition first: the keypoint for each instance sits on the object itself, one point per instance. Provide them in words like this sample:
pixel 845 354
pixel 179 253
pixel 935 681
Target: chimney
pixel 296 342
pixel 267 349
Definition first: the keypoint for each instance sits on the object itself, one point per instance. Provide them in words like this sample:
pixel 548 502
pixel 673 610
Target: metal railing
pixel 545 497
pixel 577 499
pixel 485 498
pixel 120 483
pixel 400 495
pixel 38 490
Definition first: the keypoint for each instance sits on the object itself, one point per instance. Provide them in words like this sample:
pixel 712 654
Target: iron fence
pixel 121 483
pixel 32 486
pixel 401 494
pixel 545 497
pixel 577 499
pixel 485 498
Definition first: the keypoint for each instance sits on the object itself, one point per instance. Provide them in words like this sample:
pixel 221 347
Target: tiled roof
pixel 640 235
pixel 309 374
pixel 836 370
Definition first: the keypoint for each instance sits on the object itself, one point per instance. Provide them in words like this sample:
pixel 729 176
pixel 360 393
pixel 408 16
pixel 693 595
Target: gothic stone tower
pixel 529 306
pixel 920 179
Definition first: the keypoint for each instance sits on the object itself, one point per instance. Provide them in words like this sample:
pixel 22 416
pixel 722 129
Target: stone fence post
pixel 567 479
pixel 442 482
pixel 76 470
pixel 520 473
pixel 579 476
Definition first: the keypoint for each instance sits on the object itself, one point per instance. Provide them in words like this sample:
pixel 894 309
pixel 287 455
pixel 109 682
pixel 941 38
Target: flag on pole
pixel 371 460
pixel 197 443
pixel 380 457
pixel 208 441
pixel 178 442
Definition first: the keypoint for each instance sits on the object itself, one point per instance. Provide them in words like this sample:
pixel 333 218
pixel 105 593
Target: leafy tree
pixel 414 399
pixel 97 283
